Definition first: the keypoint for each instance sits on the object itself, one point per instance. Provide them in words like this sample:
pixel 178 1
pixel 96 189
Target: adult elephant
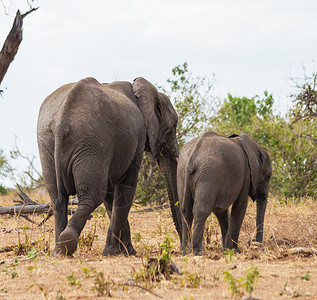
pixel 91 139
pixel 215 172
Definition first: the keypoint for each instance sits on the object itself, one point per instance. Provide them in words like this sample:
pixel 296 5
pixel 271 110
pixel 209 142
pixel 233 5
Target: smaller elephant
pixel 213 173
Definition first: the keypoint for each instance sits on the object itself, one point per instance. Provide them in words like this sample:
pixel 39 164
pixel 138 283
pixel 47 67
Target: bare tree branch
pixel 305 101
pixel 28 12
pixel 4 7
pixel 31 169
pixel 304 135
pixel 12 43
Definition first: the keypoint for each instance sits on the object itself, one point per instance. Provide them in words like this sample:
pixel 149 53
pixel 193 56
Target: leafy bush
pixel 3 190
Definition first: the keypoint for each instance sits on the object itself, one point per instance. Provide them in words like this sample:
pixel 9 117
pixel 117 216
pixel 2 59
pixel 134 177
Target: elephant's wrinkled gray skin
pixel 213 173
pixel 91 139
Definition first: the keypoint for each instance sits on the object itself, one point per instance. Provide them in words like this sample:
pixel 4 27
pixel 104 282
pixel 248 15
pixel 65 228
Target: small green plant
pixel 137 237
pixel 166 249
pixel 250 278
pixel 99 212
pixel 14 275
pixel 15 263
pixel 154 268
pixel 190 279
pixel 3 190
pixel 233 284
pixel 33 254
pixel 86 272
pixel 229 253
pixel 31 268
pixel 306 276
pixel 247 282
pixel 102 286
pixel 86 240
pixel 73 281
pixel 59 295
pixel 10 269
pixel 26 245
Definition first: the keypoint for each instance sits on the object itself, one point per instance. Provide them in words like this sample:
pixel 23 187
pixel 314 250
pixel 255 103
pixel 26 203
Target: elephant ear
pixel 148 100
pixel 254 157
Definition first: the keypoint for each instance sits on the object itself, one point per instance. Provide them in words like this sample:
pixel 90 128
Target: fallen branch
pixel 24 198
pixel 42 208
pixel 28 206
pixel 7 249
pixel 300 250
pixel 26 209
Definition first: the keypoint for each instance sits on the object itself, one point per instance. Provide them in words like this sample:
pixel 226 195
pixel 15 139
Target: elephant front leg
pixel 224 225
pixel 108 202
pixel 126 234
pixel 260 212
pixel 119 236
pixel 236 218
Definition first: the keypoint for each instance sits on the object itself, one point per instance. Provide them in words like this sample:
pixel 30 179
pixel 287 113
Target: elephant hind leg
pixel 205 199
pixel 89 191
pixel 69 238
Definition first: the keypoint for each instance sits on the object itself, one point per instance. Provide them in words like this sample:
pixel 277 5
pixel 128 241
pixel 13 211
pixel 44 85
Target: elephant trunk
pixel 260 212
pixel 169 166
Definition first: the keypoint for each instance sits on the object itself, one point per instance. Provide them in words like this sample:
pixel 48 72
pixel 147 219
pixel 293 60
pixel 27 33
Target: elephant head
pixel 260 174
pixel 160 121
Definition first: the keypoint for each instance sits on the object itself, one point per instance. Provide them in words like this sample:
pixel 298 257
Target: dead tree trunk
pixel 12 43
pixel 27 209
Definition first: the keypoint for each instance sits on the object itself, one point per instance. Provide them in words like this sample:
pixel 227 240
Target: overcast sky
pixel 250 46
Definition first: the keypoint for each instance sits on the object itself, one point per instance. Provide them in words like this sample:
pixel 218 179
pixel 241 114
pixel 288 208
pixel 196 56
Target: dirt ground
pixel 31 273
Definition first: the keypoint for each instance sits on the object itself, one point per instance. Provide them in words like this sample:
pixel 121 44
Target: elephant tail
pixel 189 170
pixel 60 132
pixel 57 148
pixel 187 192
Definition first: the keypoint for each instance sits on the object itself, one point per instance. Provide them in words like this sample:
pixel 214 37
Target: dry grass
pixel 89 275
